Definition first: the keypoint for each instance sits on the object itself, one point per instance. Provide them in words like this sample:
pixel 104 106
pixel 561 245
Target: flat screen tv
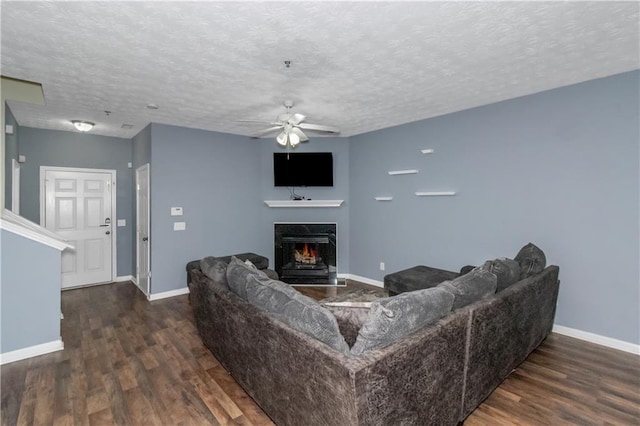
pixel 303 169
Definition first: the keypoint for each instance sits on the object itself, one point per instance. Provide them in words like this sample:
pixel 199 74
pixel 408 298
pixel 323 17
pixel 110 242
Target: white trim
pixel 31 351
pixel 123 278
pixel 20 226
pixel 382 198
pixel 15 186
pixel 363 280
pixel 171 293
pixel 597 339
pixel 114 198
pixel 303 203
pixel 147 169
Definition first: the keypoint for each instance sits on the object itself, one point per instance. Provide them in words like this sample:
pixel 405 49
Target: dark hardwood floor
pixel 130 361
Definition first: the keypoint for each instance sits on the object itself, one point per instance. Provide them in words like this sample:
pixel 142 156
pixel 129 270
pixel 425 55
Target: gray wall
pixel 71 149
pixel 10 153
pixel 215 178
pixel 30 298
pixel 141 148
pixel 340 191
pixel 559 168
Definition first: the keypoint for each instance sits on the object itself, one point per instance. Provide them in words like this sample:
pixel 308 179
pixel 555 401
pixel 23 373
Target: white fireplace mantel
pixel 303 203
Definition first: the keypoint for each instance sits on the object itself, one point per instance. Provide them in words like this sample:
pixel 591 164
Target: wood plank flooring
pixel 128 361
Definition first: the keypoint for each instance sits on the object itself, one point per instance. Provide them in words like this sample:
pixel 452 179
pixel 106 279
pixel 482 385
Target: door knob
pixel 108 232
pixel 145 239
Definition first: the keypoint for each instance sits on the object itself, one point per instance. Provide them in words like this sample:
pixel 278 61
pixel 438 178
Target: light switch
pixel 122 222
pixel 179 226
pixel 176 211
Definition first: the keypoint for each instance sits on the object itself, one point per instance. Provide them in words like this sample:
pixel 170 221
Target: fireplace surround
pixel 306 253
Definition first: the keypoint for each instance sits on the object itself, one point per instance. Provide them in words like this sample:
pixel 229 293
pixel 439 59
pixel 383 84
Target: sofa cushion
pixel 237 275
pixel 531 260
pixel 350 316
pixel 296 310
pixel 261 262
pixel 215 269
pixel 466 269
pixel 470 287
pixel 507 271
pixel 395 317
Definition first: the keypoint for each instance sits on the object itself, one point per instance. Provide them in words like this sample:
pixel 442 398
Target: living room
pixel 558 167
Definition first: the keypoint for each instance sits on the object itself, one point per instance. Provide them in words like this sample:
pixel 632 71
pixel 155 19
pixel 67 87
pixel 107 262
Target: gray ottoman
pixel 416 278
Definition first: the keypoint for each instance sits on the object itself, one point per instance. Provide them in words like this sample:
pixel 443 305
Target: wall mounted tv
pixel 303 169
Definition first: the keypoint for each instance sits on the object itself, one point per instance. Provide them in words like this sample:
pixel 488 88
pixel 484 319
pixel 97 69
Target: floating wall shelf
pixel 427 151
pixel 434 194
pixel 383 198
pixel 303 203
pixel 402 172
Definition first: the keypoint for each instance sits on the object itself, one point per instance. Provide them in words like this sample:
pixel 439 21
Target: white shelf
pixel 402 172
pixel 427 151
pixel 435 194
pixel 383 198
pixel 303 203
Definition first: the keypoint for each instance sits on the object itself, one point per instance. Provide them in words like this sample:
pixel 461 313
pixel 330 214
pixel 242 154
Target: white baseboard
pixel 31 351
pixel 165 294
pixel 124 278
pixel 360 279
pixel 597 339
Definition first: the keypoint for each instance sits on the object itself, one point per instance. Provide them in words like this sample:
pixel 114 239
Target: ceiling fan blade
pixel 319 127
pixel 297 118
pixel 300 134
pixel 272 123
pixel 266 131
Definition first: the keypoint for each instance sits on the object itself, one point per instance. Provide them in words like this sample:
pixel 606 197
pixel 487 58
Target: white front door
pixel 142 228
pixel 78 206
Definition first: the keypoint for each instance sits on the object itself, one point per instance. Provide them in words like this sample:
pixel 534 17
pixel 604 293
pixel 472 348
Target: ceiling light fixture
pixel 82 126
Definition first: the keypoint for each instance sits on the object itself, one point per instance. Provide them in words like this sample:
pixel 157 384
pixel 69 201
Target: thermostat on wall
pixel 176 211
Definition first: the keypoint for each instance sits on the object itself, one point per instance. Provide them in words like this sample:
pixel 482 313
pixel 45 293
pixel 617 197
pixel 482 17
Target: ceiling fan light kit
pixel 290 126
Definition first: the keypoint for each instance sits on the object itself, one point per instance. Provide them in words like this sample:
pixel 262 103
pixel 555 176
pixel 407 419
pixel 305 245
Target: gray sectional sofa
pixel 437 374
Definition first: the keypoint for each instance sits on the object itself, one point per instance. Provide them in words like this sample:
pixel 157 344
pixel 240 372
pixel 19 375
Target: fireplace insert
pixel 306 253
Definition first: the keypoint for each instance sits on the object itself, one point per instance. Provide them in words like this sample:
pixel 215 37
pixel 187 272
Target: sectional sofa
pixel 435 375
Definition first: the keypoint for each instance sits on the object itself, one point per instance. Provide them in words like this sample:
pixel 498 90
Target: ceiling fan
pixel 290 126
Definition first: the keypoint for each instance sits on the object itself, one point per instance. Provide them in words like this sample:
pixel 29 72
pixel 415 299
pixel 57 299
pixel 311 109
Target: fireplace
pixel 305 253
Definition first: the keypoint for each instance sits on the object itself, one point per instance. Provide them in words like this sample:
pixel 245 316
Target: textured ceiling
pixel 360 66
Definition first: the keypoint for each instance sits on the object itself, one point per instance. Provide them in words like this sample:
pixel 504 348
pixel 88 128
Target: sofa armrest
pixel 504 330
pixel 416 380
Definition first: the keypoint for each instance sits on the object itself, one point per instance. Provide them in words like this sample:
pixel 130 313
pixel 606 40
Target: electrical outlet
pixel 382 266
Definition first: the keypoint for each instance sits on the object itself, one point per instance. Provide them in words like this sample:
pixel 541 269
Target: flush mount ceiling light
pixel 82 126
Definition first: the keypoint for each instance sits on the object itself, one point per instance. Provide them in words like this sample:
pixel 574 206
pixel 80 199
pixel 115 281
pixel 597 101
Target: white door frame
pixel 114 221
pixel 15 186
pixel 146 291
